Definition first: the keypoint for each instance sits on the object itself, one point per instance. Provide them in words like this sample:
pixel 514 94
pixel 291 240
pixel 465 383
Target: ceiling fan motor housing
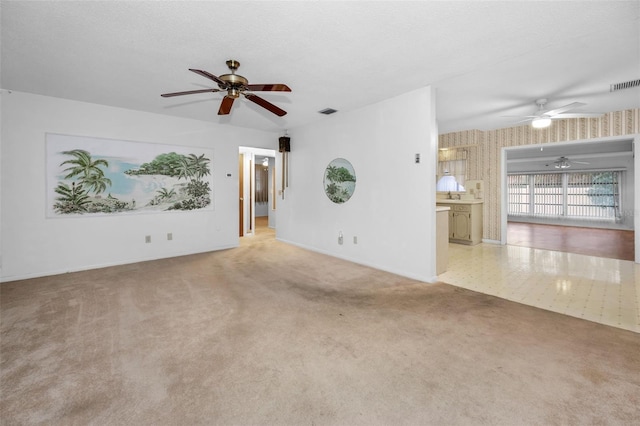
pixel 234 84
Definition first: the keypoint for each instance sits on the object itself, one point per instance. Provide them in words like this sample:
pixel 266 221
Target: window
pixel 591 195
pixel 454 163
pixel 548 195
pixel 519 194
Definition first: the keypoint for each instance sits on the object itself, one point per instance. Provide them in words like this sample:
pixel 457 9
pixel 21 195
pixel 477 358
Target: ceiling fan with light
pixel 542 118
pixel 236 85
pixel 565 163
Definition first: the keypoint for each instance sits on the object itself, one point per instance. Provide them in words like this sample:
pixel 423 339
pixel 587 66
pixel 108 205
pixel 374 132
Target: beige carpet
pixel 270 334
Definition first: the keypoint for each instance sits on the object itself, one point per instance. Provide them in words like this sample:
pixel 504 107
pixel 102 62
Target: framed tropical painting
pixel 89 176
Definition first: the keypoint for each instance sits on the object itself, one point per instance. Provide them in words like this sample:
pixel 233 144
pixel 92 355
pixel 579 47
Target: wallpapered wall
pixel 484 148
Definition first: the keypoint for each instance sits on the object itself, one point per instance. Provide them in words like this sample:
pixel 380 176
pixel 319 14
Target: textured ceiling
pixel 486 59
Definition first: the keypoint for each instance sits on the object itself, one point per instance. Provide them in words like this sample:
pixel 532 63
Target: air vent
pixel 328 111
pixel 625 85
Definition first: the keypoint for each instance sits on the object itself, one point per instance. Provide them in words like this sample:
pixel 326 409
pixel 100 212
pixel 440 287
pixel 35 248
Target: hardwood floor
pixel 262 222
pixel 609 243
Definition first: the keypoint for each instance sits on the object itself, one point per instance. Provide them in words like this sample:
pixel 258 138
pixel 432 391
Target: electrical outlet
pixel 147 239
pixel 355 240
pixel 340 238
pixel 169 236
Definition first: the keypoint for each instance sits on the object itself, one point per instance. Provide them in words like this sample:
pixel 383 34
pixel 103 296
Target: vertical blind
pixel 548 195
pixel 519 194
pixel 594 195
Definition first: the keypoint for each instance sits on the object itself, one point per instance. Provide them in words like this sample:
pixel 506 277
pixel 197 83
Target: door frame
pixel 635 138
pixel 246 187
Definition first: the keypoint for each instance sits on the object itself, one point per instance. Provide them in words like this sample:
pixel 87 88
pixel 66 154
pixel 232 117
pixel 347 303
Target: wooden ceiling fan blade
pixel 265 104
pixel 225 105
pixel 268 87
pixel 209 76
pixel 188 92
pixel 564 108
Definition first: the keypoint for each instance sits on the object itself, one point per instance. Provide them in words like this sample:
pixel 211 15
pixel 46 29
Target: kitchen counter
pixel 456 201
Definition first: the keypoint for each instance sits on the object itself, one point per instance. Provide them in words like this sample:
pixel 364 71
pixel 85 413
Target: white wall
pixel 392 211
pixel 262 209
pixel 2 94
pixel 33 245
pixel 636 206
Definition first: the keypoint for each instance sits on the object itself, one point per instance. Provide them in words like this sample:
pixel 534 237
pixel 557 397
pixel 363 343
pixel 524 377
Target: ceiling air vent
pixel 328 111
pixel 625 85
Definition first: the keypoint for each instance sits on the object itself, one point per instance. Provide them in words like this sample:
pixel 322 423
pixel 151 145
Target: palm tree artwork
pixel 339 180
pixel 95 181
pixel 195 194
pixel 71 199
pixel 87 169
pixel 87 176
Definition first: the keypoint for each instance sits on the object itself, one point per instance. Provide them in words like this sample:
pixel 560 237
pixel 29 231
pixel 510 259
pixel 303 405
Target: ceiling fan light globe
pixel 541 123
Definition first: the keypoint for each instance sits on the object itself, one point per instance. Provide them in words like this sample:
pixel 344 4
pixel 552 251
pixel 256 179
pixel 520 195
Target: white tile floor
pixel 596 289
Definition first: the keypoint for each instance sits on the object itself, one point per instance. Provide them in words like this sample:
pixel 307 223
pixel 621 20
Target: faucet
pixel 449 196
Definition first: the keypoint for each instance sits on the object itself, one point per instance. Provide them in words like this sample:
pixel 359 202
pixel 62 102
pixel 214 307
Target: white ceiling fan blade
pixel 578 162
pixel 578 115
pixel 564 108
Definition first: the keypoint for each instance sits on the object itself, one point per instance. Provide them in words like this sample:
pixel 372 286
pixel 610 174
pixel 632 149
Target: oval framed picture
pixel 339 180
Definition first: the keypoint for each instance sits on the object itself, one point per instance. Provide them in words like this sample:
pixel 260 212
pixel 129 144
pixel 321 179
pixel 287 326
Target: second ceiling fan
pixel 564 163
pixel 236 85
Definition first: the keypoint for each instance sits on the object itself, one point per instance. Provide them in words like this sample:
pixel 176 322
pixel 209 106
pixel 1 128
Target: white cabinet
pixel 465 222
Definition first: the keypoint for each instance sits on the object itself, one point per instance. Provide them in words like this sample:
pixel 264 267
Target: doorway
pixel 591 156
pixel 256 190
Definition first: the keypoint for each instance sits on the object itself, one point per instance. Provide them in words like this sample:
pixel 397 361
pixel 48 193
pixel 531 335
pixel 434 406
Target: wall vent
pixel 625 85
pixel 328 111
